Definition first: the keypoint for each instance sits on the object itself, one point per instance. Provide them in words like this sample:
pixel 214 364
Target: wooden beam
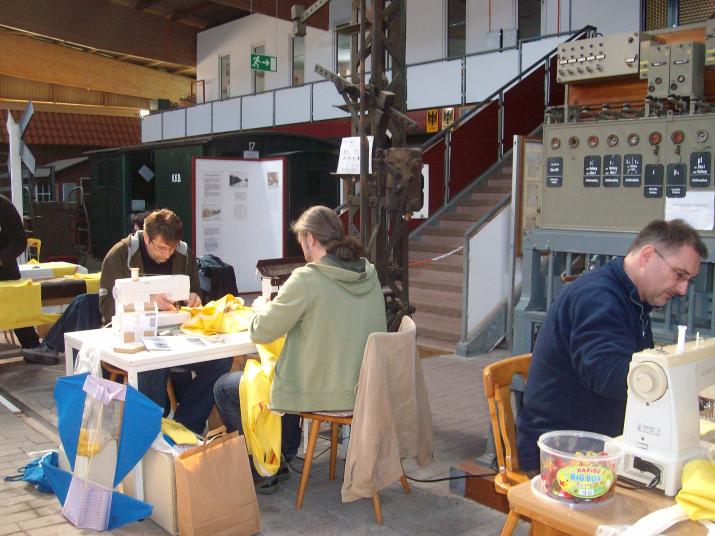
pixel 25 57
pixel 104 25
pixel 279 9
pixel 70 108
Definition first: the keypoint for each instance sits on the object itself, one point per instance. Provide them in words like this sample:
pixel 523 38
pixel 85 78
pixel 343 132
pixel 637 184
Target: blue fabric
pixel 577 377
pixel 69 399
pixel 59 480
pixel 34 472
pixel 141 424
pixel 126 509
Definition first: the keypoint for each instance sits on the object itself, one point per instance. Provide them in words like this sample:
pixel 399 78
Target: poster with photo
pixel 239 204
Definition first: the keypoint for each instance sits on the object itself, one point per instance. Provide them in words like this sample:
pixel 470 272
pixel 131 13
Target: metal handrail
pixel 463 193
pixel 586 30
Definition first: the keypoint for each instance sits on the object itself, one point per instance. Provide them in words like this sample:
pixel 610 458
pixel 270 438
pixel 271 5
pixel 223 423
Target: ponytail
pixel 348 249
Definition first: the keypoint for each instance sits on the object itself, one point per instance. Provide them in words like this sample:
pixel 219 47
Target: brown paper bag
pixel 214 488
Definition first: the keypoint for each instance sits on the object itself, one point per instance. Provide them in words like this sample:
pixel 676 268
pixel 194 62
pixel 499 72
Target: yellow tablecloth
pixel 21 305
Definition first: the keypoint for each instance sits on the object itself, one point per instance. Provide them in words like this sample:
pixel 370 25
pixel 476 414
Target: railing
pixel 483 135
pixel 460 83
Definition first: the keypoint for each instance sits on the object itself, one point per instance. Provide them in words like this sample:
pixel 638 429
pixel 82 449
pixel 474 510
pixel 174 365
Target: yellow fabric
pixel 85 447
pixel 697 496
pixel 226 315
pixel 91 281
pixel 21 305
pixel 261 426
pixel 179 433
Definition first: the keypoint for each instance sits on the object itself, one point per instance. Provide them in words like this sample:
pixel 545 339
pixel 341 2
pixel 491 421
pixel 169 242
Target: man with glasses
pixel 579 366
pixel 157 249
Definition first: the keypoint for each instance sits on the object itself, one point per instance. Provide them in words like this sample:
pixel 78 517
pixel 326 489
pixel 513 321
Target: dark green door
pixel 173 182
pixel 109 202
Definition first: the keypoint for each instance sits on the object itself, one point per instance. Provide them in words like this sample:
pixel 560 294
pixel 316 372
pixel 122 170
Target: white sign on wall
pixel 238 213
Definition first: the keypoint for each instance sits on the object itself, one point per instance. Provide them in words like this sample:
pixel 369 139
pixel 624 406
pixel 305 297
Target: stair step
pixel 427 277
pixel 438 326
pixel 460 225
pixel 443 231
pixel 431 346
pixel 474 212
pixel 448 304
pixel 420 259
pixel 469 214
pixel 455 259
pixel 488 198
pixel 443 243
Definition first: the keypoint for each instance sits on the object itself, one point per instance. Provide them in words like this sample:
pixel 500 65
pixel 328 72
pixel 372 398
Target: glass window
pixel 225 75
pixel 43 192
pixel 529 18
pixel 298 61
pixel 456 28
pixel 259 77
pixel 343 54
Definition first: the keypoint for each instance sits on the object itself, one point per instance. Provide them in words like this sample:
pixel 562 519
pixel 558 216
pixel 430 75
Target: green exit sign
pixel 259 62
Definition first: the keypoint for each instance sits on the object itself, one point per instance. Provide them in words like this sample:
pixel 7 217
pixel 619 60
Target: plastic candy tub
pixel 579 467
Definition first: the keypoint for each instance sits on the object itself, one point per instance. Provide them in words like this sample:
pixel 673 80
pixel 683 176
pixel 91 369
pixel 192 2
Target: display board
pixel 239 213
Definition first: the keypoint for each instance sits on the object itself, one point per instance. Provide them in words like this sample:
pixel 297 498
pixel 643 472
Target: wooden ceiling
pixel 143 49
pixel 159 34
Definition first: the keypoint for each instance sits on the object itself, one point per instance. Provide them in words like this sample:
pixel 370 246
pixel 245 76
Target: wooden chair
pixel 497 387
pixel 335 418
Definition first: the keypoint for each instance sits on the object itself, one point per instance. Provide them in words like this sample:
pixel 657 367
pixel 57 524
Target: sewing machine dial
pixel 647 381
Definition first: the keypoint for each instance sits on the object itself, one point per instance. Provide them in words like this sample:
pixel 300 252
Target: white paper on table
pixel 696 208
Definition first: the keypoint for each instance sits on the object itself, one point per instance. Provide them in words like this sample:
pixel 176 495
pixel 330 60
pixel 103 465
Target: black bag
pixel 216 277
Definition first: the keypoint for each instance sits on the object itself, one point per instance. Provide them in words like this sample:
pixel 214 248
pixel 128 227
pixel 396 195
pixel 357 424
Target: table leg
pixel 133 380
pixel 69 358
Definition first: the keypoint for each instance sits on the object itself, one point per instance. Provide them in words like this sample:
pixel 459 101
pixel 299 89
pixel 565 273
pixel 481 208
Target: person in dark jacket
pixel 579 366
pixel 13 243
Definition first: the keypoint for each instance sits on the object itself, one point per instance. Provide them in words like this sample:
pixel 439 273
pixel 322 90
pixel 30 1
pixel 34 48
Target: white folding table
pixel 222 346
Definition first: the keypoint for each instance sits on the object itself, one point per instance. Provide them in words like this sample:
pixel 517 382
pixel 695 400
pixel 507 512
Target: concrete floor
pixel 460 421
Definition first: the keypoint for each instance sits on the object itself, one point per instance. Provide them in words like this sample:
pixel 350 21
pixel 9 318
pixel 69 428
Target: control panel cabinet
pixel 618 175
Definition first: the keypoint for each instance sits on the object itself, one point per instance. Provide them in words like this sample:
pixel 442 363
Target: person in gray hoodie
pixel 326 309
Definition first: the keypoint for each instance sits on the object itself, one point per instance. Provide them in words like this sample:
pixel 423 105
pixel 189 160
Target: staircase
pixel 436 286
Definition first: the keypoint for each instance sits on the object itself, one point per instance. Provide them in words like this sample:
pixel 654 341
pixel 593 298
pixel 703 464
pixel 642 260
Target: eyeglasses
pixel 163 249
pixel 680 275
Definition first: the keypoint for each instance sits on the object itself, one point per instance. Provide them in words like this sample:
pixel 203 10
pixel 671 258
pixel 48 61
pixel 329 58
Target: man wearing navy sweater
pixel 577 376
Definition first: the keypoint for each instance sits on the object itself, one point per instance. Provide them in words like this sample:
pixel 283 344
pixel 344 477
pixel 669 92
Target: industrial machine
pixel 135 315
pixel 633 142
pixel 662 426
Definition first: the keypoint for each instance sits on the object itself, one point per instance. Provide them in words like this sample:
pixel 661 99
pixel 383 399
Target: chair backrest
pixel 497 387
pixel 33 248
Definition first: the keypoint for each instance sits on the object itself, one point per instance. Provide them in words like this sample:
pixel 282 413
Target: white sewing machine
pixel 662 423
pixel 132 318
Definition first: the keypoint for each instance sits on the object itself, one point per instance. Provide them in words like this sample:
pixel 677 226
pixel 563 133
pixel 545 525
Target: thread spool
pixel 681 338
